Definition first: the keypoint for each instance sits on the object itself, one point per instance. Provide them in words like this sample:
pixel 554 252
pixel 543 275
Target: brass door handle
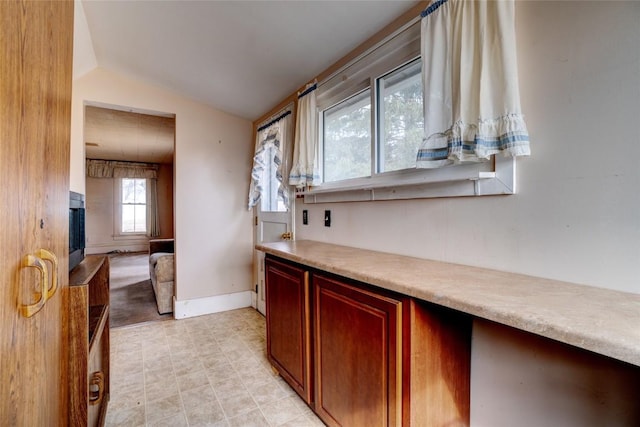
pixel 96 388
pixel 46 255
pixel 31 261
pixel 287 236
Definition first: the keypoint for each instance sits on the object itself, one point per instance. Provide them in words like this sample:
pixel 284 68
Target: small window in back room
pixel 133 205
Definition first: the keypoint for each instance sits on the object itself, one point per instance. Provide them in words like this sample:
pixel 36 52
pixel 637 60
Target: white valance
pixel 304 169
pixel 470 82
pixel 117 169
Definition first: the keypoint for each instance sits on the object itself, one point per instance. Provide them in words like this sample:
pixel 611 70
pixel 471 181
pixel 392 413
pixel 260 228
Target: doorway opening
pixel 129 200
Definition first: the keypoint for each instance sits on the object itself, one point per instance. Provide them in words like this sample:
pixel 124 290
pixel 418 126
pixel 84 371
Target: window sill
pixel 130 236
pixel 492 178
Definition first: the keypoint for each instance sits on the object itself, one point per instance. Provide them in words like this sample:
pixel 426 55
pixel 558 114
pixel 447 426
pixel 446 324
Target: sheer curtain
pixel 470 83
pixel 272 142
pixel 304 170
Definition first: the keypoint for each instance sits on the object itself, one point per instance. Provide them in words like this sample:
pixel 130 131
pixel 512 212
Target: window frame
pixel 493 177
pixel 118 207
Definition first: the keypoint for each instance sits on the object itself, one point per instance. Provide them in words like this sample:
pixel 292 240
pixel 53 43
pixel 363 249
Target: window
pixel 133 207
pixel 347 142
pixel 270 200
pixel 400 118
pixel 371 125
pixel 347 138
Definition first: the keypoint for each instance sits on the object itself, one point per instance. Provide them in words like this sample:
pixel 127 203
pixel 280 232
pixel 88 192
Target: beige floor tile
pixel 267 393
pixel 130 417
pixel 236 404
pixel 220 372
pixel 281 411
pixel 128 365
pixel 163 408
pixel 228 386
pixel 126 396
pixel 250 419
pixel 160 384
pixel 186 366
pixel 192 380
pixel 178 420
pixel 159 363
pixel 303 421
pixel 205 371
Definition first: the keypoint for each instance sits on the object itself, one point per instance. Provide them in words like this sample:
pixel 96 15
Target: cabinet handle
pixel 96 388
pixel 53 259
pixel 31 261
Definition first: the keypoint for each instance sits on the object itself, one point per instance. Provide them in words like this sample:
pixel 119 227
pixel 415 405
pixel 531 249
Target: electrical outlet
pixel 327 218
pixel 305 217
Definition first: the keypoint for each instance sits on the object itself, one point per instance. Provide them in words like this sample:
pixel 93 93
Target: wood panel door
pixel 288 325
pixel 36 40
pixel 358 350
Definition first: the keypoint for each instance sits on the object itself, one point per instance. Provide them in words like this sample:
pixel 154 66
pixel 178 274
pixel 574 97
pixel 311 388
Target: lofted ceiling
pixel 239 56
pixel 242 57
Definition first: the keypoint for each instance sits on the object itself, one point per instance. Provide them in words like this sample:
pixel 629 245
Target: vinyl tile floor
pixel 203 371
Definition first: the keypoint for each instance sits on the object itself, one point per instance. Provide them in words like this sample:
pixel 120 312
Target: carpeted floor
pixel 131 294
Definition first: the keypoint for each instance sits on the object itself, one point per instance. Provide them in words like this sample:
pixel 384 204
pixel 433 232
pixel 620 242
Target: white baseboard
pixel 201 306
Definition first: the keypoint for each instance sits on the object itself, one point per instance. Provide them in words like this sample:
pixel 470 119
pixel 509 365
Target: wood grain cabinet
pixel 36 58
pixel 358 353
pixel 379 358
pixel 288 325
pixel 89 341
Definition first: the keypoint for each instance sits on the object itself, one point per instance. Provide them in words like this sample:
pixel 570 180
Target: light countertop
pixel 596 319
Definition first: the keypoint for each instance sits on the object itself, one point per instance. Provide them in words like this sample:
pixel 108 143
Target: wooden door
pixel 358 350
pixel 288 324
pixel 36 41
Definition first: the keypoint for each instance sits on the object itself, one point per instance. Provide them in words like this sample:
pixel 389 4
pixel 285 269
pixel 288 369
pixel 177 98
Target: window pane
pixel 128 218
pixel 128 190
pixel 133 207
pixel 140 223
pixel 269 200
pixel 347 138
pixel 141 190
pixel 401 117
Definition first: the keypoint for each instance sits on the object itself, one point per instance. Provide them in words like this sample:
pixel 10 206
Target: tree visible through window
pixel 401 119
pixel 398 120
pixel 133 205
pixel 347 138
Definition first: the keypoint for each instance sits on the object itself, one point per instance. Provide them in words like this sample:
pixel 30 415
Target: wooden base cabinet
pixel 288 325
pixel 379 358
pixel 358 343
pixel 89 342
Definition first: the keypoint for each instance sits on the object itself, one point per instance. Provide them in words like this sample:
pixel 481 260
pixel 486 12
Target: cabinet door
pixel 288 324
pixel 357 355
pixel 35 102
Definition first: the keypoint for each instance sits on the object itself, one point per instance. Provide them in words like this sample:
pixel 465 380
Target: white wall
pixel 576 216
pixel 213 229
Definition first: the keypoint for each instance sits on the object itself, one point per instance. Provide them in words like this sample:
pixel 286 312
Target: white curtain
pixel 304 169
pixel 153 221
pixel 470 82
pixel 271 145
